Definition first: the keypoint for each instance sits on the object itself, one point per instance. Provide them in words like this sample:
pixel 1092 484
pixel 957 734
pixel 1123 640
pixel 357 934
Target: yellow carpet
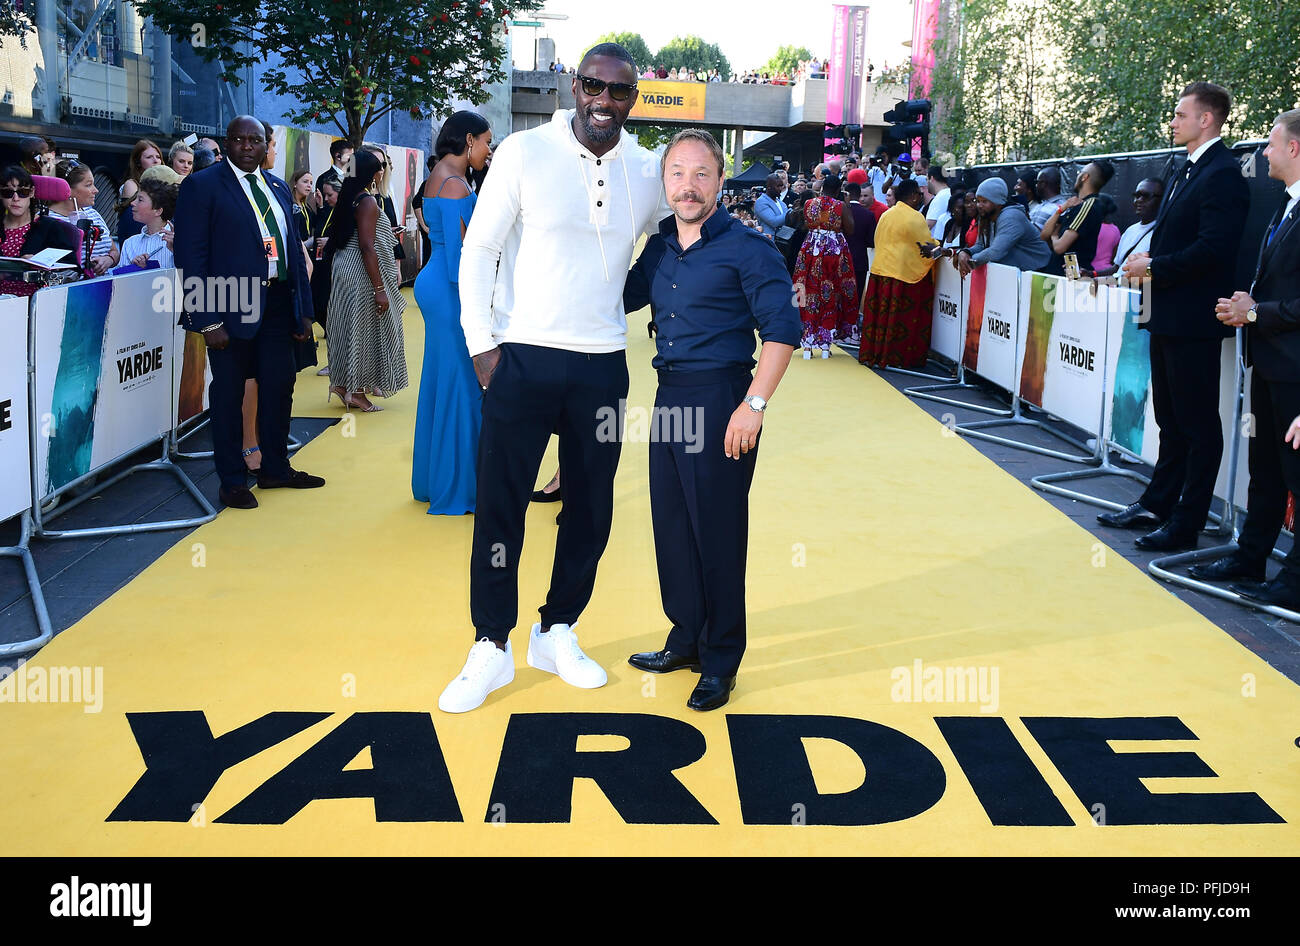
pixel 878 539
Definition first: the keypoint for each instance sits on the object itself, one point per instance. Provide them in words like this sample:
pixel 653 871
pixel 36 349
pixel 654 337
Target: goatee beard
pixel 597 134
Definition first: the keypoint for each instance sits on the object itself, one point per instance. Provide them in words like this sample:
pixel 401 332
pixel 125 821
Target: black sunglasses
pixel 618 91
pixel 8 193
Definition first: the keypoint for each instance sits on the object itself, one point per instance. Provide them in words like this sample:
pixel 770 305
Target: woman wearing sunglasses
pixel 25 232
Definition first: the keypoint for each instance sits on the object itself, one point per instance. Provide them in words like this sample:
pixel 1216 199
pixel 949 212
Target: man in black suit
pixel 1270 313
pixel 1190 267
pixel 246 290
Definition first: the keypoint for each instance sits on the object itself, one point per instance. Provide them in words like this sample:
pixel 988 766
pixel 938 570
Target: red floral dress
pixel 824 268
pixel 12 245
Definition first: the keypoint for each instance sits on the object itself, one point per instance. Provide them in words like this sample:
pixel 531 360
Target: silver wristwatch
pixel 756 404
pixel 1252 313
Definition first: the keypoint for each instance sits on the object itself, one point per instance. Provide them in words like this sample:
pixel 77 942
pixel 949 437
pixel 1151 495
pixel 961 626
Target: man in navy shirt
pixel 710 282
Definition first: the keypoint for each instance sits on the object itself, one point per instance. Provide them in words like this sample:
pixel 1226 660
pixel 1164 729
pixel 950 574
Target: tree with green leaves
pixel 13 23
pixel 787 59
pixel 633 43
pixel 693 54
pixel 351 64
pixel 1026 79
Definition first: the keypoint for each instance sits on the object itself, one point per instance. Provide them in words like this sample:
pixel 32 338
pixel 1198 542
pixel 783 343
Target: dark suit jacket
pixel 217 236
pixel 1195 244
pixel 1273 341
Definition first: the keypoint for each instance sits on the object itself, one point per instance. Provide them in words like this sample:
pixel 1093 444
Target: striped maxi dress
pixel 366 349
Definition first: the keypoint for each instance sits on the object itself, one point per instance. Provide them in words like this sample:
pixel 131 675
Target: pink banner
pixel 846 91
pixel 925 26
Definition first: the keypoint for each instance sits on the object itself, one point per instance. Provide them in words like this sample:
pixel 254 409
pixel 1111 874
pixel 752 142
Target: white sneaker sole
pixel 504 678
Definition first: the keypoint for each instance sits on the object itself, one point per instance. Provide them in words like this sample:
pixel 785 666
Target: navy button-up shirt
pixel 708 299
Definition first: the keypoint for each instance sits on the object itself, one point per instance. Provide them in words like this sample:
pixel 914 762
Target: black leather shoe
pixel 1274 592
pixel 1228 567
pixel 541 496
pixel 237 497
pixel 296 479
pixel 1168 538
pixel 1135 516
pixel 664 661
pixel 711 692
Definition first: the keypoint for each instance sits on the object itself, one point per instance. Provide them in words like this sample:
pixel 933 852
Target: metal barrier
pixel 1160 568
pixel 22 552
pixel 95 303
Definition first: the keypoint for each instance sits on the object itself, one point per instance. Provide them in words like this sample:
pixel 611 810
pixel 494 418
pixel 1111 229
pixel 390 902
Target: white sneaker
pixel 807 354
pixel 557 652
pixel 826 352
pixel 488 668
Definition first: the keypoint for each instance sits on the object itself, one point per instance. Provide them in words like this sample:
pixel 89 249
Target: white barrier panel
pixel 1130 418
pixel 945 330
pixel 1064 359
pixel 15 445
pixel 993 336
pixel 103 373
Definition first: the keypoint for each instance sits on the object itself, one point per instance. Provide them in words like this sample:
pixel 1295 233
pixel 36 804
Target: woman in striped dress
pixel 364 321
pixel 80 205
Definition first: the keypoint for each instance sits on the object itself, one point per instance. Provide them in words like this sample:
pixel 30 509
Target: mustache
pixel 690 195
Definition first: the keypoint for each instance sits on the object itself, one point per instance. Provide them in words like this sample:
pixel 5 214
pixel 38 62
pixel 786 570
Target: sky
pixel 749 31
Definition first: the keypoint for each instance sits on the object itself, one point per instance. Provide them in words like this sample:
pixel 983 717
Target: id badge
pixel 268 244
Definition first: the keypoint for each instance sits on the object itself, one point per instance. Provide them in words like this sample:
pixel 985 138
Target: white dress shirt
pixel 275 210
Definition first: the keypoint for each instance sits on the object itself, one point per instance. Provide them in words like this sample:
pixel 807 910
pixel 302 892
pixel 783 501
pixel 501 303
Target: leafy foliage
pixel 633 43
pixel 694 54
pixel 786 59
pixel 1025 79
pixel 351 63
pixel 13 23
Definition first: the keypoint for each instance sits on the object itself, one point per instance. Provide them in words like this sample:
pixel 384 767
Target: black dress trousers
pixel 534 392
pixel 267 357
pixel 1185 400
pixel 699 507
pixel 1274 469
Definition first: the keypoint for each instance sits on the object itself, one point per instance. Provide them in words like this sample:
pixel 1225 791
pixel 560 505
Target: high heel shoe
pixel 349 403
pixel 369 408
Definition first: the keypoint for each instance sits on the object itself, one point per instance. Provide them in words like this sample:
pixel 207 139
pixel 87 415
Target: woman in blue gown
pixel 449 413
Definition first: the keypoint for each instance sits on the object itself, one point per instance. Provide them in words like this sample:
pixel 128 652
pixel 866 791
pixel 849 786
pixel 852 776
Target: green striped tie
pixel 281 265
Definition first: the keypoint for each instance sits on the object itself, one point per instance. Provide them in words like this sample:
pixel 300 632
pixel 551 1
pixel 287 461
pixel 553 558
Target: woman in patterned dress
pixel 364 322
pixel 824 268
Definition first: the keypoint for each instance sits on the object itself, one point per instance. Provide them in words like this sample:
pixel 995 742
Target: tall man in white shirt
pixel 541 284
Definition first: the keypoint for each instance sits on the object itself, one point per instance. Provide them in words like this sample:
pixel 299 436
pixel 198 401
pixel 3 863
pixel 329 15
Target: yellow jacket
pixel 899 230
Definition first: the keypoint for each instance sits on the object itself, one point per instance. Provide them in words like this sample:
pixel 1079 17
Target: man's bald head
pixel 246 143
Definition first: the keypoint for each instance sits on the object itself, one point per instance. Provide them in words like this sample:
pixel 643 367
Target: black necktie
pixel 1180 180
pixel 273 228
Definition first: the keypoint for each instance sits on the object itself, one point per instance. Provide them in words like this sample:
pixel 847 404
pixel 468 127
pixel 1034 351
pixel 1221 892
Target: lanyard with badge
pixel 323 239
pixel 268 241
